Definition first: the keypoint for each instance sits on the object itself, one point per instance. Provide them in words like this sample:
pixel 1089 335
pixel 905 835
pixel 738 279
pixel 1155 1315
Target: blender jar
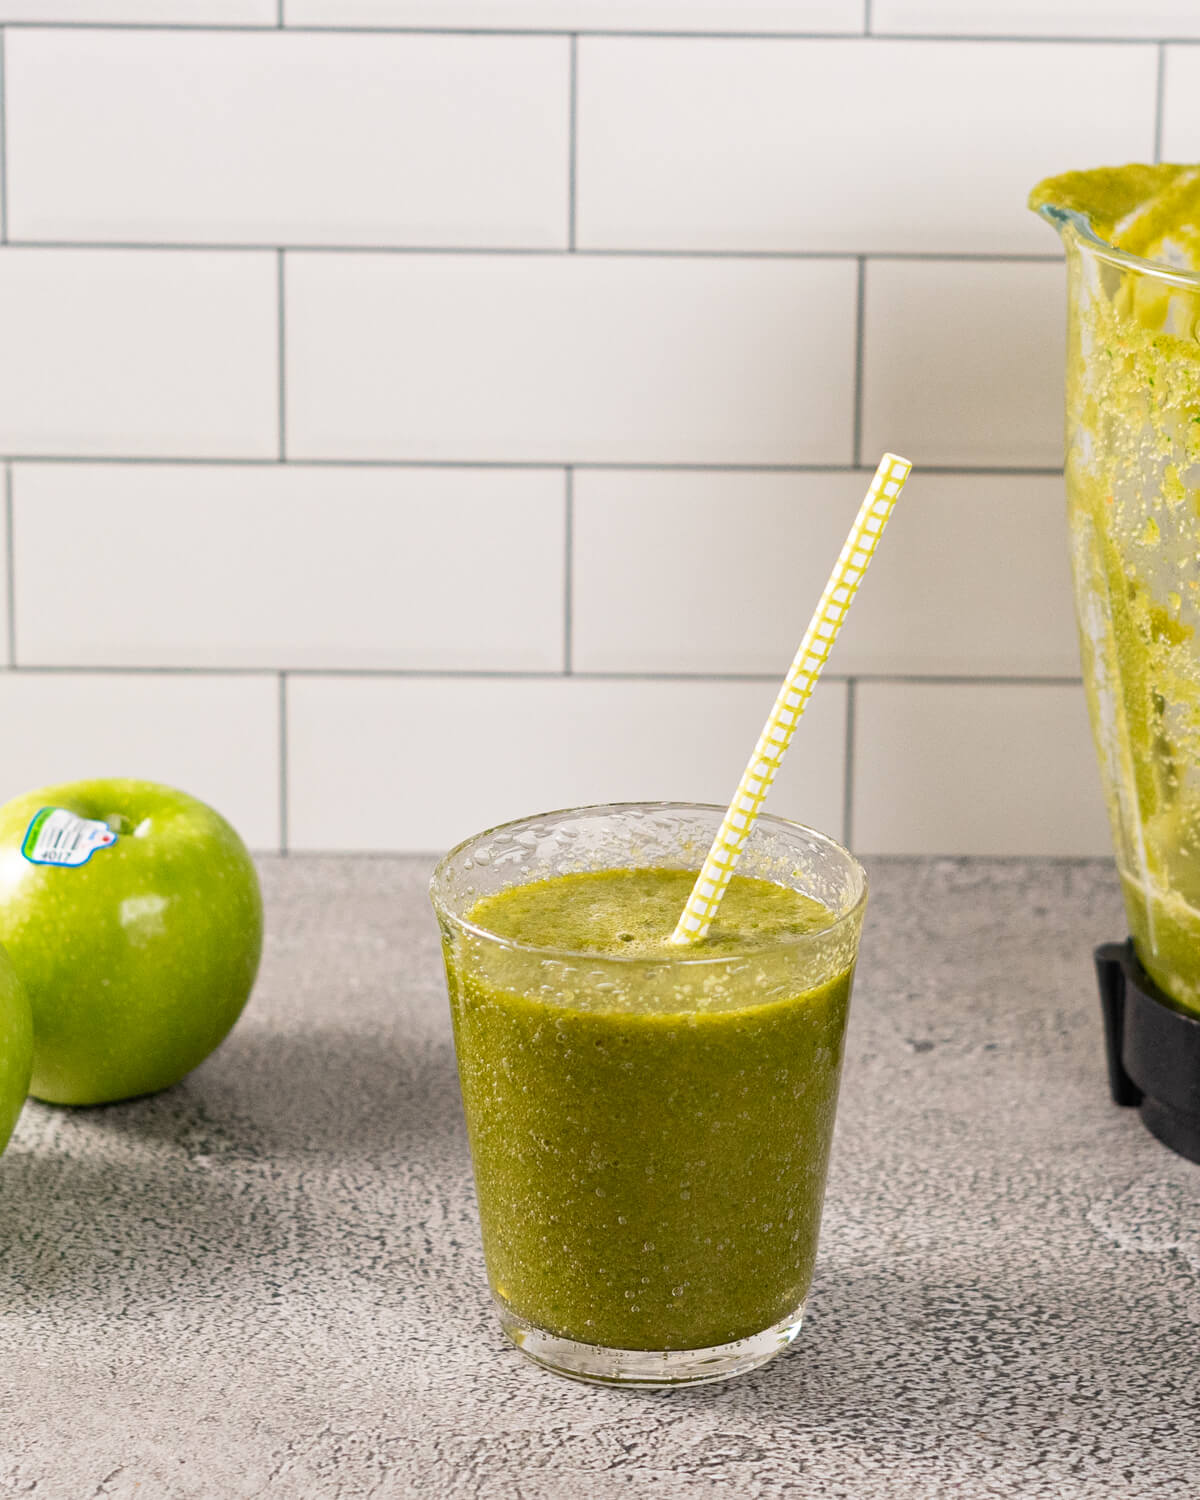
pixel 1133 494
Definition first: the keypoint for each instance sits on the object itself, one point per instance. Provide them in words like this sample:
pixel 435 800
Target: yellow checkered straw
pixel 827 620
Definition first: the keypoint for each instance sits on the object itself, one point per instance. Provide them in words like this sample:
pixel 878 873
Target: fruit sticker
pixel 59 837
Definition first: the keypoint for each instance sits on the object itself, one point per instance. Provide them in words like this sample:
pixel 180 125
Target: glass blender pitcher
pixel 1132 240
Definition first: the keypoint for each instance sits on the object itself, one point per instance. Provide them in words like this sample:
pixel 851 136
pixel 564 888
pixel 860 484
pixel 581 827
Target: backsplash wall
pixel 384 385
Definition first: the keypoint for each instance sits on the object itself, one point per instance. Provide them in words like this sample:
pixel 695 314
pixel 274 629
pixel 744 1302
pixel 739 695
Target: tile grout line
pixel 1160 80
pixel 630 466
pixel 10 565
pixel 281 356
pixel 866 31
pixel 251 247
pixel 252 27
pixel 860 304
pixel 572 141
pixel 569 572
pixel 283 764
pixel 517 674
pixel 279 15
pixel 848 763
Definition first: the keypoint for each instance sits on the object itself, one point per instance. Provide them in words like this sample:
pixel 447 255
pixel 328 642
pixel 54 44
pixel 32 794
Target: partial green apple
pixel 132 914
pixel 16 1047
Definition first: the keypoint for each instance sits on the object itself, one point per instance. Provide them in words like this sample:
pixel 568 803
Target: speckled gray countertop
pixel 267 1281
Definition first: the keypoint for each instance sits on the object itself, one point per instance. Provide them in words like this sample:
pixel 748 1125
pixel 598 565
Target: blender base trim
pixel 1153 1050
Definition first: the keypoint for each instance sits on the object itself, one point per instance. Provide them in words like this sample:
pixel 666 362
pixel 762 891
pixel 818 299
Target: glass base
pixel 647 1367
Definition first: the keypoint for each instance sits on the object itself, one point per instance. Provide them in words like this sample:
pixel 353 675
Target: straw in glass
pixel 798 685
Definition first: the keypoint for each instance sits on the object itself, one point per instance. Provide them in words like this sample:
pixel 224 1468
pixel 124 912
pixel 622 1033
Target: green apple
pixel 132 914
pixel 16 1047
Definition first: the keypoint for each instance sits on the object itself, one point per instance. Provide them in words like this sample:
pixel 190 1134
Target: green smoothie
pixel 650 1136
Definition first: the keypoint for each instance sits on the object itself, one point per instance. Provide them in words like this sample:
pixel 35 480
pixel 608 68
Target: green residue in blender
pixel 1149 211
pixel 1133 482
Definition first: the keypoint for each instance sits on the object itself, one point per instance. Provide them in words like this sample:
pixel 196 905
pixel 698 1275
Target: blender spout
pixel 1145 216
pixel 1061 218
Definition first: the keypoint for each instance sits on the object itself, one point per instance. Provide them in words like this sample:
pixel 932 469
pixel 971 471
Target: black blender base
pixel 1153 1050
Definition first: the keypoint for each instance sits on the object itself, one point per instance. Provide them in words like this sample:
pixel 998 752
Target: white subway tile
pixel 803 16
pixel 1181 103
pixel 1033 18
pixel 843 145
pixel 569 358
pixel 445 569
pixel 215 737
pixel 144 12
pixel 6 641
pixel 419 763
pixel 276 138
pixel 138 353
pixel 972 576
pixel 963 362
pixel 687 571
pixel 975 768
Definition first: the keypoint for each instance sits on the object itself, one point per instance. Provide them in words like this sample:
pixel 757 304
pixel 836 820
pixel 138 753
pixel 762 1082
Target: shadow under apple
pixel 291 1164
pixel 337 1094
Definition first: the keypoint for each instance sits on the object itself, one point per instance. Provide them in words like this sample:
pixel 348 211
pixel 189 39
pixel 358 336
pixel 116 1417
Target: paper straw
pixel 827 620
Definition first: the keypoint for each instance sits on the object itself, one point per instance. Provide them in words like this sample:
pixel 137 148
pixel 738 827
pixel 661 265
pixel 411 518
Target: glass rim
pixel 683 956
pixel 1077 223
